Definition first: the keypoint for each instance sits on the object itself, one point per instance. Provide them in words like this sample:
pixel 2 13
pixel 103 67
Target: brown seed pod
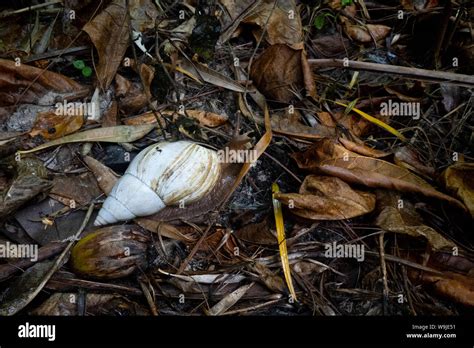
pixel 111 252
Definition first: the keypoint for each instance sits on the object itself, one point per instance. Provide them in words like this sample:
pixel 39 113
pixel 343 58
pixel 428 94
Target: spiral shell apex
pixel 166 173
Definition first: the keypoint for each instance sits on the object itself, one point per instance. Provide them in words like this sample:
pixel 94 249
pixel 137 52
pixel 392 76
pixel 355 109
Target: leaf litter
pixel 240 76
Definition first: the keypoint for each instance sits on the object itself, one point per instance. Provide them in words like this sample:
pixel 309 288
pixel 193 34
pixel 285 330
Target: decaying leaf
pixel 205 118
pixel 332 159
pixel 290 125
pixel 30 181
pixel 25 288
pixel 367 33
pixel 142 14
pixel 26 84
pixel 117 134
pixel 50 125
pixel 362 149
pixel 110 33
pixel 106 177
pixel 280 73
pixel 406 220
pixel 408 158
pixel 459 179
pixel 454 286
pixel 200 72
pixel 80 189
pixel 280 19
pixel 231 299
pixel 66 304
pixel 327 198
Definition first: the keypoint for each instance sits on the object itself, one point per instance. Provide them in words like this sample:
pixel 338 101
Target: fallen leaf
pixel 367 33
pixel 280 74
pixel 272 280
pixel 110 34
pixel 327 198
pixel 205 118
pixel 457 287
pixel 117 134
pixel 106 177
pixel 29 85
pixel 459 179
pixel 406 220
pixel 30 181
pixel 80 189
pixel 228 301
pixel 200 72
pixel 362 149
pixel 142 14
pixel 60 304
pixel 52 126
pixel 258 233
pixel 281 20
pixel 408 158
pixel 329 158
pixel 281 237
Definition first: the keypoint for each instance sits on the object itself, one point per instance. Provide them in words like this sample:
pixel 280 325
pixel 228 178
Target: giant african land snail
pixel 161 175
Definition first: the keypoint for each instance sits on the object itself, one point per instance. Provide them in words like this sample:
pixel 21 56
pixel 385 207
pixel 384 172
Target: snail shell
pixel 162 174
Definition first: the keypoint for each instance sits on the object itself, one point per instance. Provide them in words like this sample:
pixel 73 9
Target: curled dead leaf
pixel 407 221
pixel 454 286
pixel 281 72
pixel 52 126
pixel 205 118
pixel 327 157
pixel 281 20
pixel 367 33
pixel 27 84
pixel 459 179
pixel 327 198
pixel 110 33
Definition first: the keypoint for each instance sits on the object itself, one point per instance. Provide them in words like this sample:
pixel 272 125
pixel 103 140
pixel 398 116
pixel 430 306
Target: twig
pixel 383 266
pixel 30 8
pixel 413 73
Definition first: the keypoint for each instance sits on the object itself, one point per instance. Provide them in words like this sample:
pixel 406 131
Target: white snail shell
pixel 162 174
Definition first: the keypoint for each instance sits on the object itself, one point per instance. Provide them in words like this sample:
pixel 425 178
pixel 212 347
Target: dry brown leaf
pixel 367 33
pixel 362 149
pixel 282 21
pixel 280 72
pixel 459 179
pixel 27 84
pixel 106 177
pixel 457 287
pixel 406 220
pixel 110 33
pixel 81 189
pixel 165 230
pixel 52 126
pixel 408 158
pixel 205 118
pixel 258 233
pixel 329 158
pixel 290 126
pixel 327 198
pixel 142 14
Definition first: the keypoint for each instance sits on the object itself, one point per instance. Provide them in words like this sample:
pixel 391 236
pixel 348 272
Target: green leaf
pixel 87 71
pixel 319 21
pixel 79 64
pixel 346 2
